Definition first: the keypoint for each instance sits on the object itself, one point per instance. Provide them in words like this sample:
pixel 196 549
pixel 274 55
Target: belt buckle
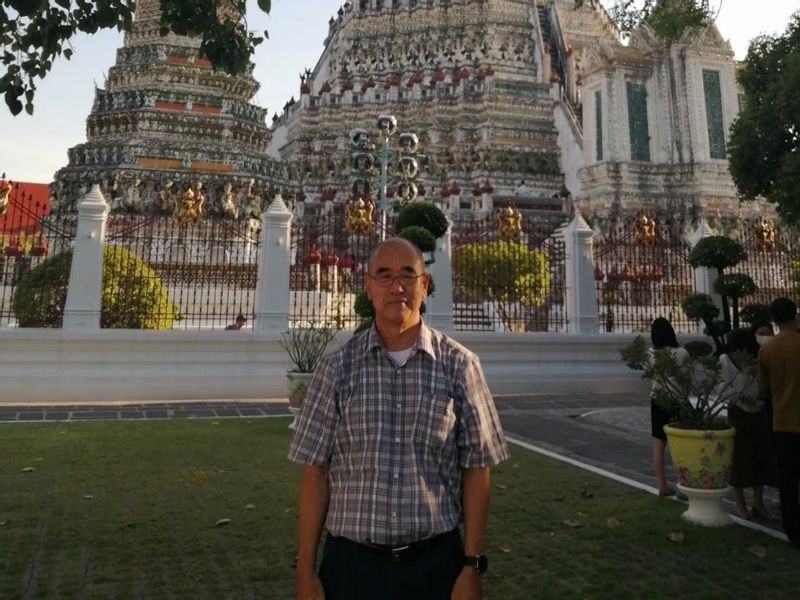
pixel 397 553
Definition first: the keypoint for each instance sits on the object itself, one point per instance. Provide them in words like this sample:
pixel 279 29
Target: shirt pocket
pixel 360 422
pixel 434 423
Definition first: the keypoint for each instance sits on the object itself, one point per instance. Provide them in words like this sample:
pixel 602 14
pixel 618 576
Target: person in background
pixel 762 331
pixel 752 464
pixel 779 377
pixel 237 324
pixel 663 338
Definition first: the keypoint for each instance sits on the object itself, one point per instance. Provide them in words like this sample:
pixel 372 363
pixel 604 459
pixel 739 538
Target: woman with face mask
pixel 752 463
pixel 762 331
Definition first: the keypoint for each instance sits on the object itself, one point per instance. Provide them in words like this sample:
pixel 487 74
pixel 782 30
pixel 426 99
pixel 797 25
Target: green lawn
pixel 130 510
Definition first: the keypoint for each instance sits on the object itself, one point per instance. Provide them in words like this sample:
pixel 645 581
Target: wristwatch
pixel 479 562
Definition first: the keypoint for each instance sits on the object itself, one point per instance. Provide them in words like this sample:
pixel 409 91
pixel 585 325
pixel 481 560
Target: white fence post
pixel 581 292
pixel 705 278
pixel 272 287
pixel 82 307
pixel 439 312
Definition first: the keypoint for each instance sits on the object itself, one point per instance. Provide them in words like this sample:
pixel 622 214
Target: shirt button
pixel 397 440
pixel 399 405
pixel 396 475
pixel 394 515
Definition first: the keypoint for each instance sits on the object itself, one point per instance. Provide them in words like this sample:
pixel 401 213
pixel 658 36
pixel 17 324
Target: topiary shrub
pixel 41 292
pixel 132 297
pixel 420 237
pixel 698 348
pixel 755 313
pixel 422 214
pixel 720 253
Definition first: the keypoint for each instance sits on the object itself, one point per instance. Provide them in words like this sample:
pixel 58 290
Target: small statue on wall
pixel 644 230
pixel 189 207
pixel 5 192
pixel 765 234
pixel 359 216
pixel 509 223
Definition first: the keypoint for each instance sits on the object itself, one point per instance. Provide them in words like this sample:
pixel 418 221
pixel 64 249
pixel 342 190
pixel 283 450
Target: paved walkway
pixel 610 432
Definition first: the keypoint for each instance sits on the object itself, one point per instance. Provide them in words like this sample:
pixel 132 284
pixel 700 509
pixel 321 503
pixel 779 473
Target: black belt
pixel 403 552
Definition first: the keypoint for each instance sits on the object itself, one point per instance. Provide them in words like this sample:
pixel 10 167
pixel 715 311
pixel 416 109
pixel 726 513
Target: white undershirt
pixel 399 357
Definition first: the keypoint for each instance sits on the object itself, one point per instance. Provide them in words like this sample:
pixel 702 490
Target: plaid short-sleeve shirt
pixel 394 438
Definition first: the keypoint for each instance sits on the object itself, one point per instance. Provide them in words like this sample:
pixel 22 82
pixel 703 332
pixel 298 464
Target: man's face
pixel 397 303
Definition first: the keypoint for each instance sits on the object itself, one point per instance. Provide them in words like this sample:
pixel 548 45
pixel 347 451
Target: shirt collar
pixel 424 340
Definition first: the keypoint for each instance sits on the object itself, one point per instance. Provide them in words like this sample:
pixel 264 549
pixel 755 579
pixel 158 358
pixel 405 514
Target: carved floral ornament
pixel 765 234
pixel 644 230
pixel 509 223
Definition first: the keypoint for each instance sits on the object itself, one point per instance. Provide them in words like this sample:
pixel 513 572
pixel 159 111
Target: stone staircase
pixel 547 35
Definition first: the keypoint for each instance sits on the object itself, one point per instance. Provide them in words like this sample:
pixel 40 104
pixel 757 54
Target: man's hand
pixel 467 586
pixel 309 586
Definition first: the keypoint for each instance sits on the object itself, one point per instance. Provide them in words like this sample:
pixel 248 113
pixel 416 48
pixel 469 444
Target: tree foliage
pixel 422 214
pixel 33 33
pixel 132 297
pixel 507 273
pixel 717 252
pixel 764 147
pixel 669 20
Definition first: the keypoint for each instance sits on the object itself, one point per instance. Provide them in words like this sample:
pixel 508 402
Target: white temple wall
pixel 51 366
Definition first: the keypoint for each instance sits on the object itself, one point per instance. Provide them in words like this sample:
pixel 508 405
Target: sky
pixel 35 147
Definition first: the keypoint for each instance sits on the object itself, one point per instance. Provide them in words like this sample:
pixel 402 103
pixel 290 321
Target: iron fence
pixel 773 261
pixel 28 235
pixel 508 274
pixel 641 272
pixel 328 254
pixel 160 273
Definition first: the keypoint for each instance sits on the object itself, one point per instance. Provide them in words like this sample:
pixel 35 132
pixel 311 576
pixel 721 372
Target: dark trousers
pixel 350 571
pixel 787 448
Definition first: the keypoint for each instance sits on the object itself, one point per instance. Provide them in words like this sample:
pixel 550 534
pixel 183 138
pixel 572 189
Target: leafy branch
pixel 33 33
pixel 306 345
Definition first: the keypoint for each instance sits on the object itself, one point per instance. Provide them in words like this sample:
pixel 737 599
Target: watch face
pixel 483 563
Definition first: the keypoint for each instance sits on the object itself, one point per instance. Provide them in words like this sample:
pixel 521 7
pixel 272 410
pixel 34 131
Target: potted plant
pixel 305 347
pixel 700 438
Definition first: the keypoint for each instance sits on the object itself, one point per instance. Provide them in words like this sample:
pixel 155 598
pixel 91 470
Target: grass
pixel 130 510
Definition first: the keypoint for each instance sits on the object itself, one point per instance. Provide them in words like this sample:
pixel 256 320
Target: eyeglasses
pixel 387 279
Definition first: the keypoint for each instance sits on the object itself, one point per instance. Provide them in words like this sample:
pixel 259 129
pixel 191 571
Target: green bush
pixel 41 293
pixel 133 296
pixel 755 313
pixel 422 214
pixel 735 285
pixel 698 348
pixel 717 252
pixel 700 307
pixel 420 237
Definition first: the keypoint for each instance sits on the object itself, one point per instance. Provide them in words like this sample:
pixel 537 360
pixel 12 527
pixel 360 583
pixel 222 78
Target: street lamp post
pixel 364 164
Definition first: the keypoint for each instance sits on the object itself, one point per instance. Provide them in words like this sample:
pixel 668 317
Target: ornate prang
pixel 765 234
pixel 359 216
pixel 644 230
pixel 509 223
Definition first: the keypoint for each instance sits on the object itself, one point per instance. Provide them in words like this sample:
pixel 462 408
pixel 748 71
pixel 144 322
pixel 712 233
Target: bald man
pixel 396 436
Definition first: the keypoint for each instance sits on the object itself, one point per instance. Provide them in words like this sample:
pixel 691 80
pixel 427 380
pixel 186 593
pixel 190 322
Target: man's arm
pixel 475 492
pixel 312 509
